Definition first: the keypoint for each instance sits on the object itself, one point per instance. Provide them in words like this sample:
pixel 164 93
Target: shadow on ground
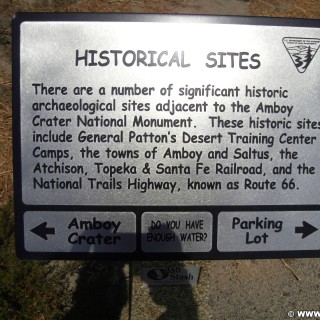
pixel 101 292
pixel 177 300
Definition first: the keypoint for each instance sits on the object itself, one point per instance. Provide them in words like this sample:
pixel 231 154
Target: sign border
pixel 20 208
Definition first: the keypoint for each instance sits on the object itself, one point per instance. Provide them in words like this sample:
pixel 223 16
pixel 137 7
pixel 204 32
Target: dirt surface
pixel 235 289
pixel 246 289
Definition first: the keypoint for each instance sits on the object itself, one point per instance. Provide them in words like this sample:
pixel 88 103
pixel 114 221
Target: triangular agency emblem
pixel 301 51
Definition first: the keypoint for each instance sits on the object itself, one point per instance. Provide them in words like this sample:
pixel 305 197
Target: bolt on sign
pixel 166 136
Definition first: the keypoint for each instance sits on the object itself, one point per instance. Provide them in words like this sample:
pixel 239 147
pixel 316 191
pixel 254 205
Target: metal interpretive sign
pixel 165 136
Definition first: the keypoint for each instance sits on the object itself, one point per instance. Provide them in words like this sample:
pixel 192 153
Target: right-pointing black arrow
pixel 42 231
pixel 306 230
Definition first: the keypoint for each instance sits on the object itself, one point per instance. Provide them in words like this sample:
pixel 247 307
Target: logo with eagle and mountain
pixel 301 51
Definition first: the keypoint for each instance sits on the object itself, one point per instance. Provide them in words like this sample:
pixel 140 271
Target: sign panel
pixel 268 231
pixel 79 231
pixel 181 231
pixel 173 128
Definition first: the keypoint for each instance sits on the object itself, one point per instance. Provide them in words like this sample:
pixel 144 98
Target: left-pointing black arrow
pixel 306 230
pixel 42 231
